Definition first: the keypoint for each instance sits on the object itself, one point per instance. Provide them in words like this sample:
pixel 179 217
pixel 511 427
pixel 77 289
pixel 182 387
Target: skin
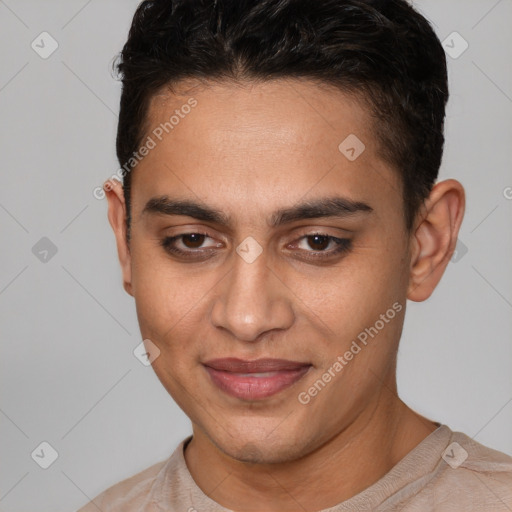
pixel 248 150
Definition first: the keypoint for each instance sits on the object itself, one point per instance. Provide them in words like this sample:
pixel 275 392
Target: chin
pixel 266 446
pixel 261 453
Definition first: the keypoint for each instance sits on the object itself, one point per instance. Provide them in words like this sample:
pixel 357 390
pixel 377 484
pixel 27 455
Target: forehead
pixel 297 111
pixel 260 142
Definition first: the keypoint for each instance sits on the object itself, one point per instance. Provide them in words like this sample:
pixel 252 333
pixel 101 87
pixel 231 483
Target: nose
pixel 252 301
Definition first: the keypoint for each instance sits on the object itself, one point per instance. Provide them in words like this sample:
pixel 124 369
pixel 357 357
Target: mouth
pixel 257 379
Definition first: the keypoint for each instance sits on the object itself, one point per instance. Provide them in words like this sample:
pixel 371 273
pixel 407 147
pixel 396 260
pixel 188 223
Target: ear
pixel 117 218
pixel 435 238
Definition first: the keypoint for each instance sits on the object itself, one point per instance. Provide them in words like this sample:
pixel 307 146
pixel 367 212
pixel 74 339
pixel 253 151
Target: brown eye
pixel 321 247
pixel 193 240
pixel 318 242
pixel 191 246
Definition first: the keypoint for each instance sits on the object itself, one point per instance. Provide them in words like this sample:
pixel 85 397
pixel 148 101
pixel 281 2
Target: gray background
pixel 68 374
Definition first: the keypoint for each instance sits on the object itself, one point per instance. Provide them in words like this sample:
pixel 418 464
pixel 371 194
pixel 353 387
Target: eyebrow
pixel 338 207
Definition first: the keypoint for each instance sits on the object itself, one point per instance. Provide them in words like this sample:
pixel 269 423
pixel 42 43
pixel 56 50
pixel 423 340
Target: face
pixel 262 254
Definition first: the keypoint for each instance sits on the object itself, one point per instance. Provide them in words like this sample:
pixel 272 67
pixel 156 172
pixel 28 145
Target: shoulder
pixel 466 453
pixel 131 492
pixel 472 476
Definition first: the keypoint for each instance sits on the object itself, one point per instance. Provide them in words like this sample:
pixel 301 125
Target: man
pixel 279 206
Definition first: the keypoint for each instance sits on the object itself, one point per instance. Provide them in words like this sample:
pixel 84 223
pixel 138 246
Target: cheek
pixel 171 301
pixel 167 306
pixel 159 292
pixel 352 296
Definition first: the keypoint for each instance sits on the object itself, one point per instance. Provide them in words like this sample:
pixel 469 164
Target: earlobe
pixel 117 218
pixel 435 238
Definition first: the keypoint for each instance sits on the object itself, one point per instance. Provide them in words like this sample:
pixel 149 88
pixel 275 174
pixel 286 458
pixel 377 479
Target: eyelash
pixel 343 246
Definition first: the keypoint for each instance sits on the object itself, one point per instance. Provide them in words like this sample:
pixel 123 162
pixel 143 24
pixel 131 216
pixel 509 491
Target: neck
pixel 351 461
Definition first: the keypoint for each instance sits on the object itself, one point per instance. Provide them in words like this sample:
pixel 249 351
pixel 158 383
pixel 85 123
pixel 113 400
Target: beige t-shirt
pixel 446 472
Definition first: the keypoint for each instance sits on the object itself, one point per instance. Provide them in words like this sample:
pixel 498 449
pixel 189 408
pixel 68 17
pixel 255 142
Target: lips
pixel 257 379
